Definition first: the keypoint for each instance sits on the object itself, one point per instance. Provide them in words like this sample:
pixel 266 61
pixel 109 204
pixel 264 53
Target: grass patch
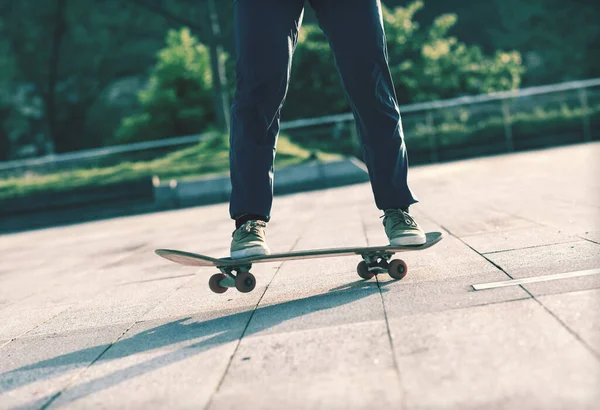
pixel 465 131
pixel 524 125
pixel 209 157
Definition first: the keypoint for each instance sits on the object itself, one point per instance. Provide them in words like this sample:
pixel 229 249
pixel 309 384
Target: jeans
pixel 266 34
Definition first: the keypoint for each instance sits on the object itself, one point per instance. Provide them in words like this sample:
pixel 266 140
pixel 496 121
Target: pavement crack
pixel 79 374
pixel 156 279
pixel 392 348
pixel 71 307
pixel 532 296
pixel 35 327
pixel 585 344
pixel 529 247
pixel 387 326
pixel 239 342
pixel 477 252
pixel 76 376
pixel 588 239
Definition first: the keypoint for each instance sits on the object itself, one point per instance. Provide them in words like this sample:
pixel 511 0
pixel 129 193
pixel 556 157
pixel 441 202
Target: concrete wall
pixel 150 195
pixel 304 177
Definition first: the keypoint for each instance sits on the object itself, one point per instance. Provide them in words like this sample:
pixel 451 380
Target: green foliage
pixel 558 39
pixel 209 157
pixel 6 76
pixel 426 64
pixel 525 125
pixel 439 65
pixel 177 100
pixel 70 71
pixel 67 55
pixel 456 129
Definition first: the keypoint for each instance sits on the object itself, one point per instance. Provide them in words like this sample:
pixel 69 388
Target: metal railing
pixel 454 102
pixel 476 125
pixel 421 122
pixel 97 156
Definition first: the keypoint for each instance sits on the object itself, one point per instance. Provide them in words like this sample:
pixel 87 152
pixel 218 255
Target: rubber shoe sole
pixel 409 240
pixel 248 252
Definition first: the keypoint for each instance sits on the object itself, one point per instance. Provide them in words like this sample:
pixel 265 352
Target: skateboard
pixel 235 273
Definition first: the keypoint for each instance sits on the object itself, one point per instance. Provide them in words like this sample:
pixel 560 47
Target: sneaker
pixel 402 229
pixel 249 240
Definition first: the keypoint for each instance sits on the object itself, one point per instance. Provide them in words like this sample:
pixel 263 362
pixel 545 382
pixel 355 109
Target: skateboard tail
pixel 186 258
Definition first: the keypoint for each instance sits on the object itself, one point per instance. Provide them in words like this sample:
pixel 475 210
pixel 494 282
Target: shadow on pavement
pixel 212 333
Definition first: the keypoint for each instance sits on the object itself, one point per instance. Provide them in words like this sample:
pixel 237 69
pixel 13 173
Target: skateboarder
pixel 266 33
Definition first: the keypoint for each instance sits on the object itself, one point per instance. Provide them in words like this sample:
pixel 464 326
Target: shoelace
pixel 398 216
pixel 252 227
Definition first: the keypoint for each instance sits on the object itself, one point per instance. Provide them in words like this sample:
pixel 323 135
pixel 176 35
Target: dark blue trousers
pixel 266 33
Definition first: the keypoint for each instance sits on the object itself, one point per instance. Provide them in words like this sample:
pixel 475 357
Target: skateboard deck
pixel 376 259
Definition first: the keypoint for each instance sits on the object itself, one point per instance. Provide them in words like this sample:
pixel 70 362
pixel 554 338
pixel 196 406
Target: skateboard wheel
pixel 213 283
pixel 397 269
pixel 245 282
pixel 363 271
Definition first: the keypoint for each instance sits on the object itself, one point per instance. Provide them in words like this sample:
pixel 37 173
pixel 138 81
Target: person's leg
pixel 266 33
pixel 356 35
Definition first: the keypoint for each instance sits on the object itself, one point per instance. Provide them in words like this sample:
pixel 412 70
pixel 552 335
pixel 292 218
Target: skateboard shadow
pixel 195 337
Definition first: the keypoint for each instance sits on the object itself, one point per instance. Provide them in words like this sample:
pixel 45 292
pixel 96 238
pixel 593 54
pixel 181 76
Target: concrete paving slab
pixel 436 282
pixel 195 299
pixel 314 326
pixel 518 239
pixel 192 297
pixel 33 369
pixel 313 293
pixel 47 265
pixel 449 259
pixel 567 217
pixel 580 311
pixel 494 356
pixel 348 366
pixel 268 319
pixel 117 305
pixel 405 299
pixel 18 319
pixel 548 260
pixel 359 302
pixel 175 363
pixel 564 197
pixel 479 220
pixel 312 315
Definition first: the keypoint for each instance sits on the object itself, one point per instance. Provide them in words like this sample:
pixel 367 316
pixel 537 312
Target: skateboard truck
pixel 242 280
pixel 379 262
pixel 239 277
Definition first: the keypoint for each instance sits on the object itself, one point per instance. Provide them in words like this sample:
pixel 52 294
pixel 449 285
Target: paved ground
pixel 91 318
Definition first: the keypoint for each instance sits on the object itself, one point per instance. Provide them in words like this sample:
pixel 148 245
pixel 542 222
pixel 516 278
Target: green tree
pixel 558 39
pixel 70 53
pixel 6 76
pixel 426 64
pixel 178 98
pixel 430 64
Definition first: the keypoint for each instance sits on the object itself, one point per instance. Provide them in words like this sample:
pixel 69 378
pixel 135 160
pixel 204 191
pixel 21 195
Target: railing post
pixel 433 152
pixel 338 129
pixel 510 147
pixel 587 128
pixel 354 136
